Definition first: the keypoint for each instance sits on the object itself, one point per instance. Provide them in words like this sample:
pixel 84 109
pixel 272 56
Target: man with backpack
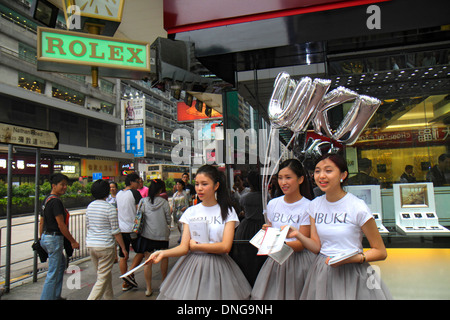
pixel 54 232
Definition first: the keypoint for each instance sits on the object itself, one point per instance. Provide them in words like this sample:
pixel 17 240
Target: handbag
pixel 43 255
pixel 138 220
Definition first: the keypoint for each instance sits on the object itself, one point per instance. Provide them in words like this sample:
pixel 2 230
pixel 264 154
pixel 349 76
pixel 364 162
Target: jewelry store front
pixel 400 163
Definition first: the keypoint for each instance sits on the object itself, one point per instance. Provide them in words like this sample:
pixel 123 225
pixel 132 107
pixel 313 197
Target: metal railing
pixel 22 265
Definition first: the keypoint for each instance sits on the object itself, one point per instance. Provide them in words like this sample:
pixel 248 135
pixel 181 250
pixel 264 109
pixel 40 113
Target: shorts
pixel 127 240
pixel 148 245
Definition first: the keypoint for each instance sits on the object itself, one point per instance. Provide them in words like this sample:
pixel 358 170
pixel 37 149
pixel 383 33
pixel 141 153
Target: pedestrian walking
pixel 156 229
pixel 103 231
pixel 127 201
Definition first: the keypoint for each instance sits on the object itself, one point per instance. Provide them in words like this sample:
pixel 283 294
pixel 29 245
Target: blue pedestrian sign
pixel 135 141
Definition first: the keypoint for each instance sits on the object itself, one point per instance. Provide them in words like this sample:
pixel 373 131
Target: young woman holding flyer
pixel 285 281
pixel 338 221
pixel 205 271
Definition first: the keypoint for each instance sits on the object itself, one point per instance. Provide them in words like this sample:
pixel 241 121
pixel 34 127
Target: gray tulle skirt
pixel 202 276
pixel 283 282
pixel 351 281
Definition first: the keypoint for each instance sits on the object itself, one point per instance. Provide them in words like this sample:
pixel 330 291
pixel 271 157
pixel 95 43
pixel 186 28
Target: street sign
pixel 97 176
pixel 135 141
pixel 29 137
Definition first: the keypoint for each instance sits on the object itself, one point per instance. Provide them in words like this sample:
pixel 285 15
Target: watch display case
pixel 415 209
pixel 371 195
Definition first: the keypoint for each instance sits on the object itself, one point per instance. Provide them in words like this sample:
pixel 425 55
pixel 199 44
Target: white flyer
pixel 342 256
pixel 273 241
pixel 258 238
pixel 199 231
pixel 281 256
pixel 133 270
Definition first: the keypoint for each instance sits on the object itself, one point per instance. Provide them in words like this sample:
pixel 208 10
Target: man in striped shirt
pixel 102 233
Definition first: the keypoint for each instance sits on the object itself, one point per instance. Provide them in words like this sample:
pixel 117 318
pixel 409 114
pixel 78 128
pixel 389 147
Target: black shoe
pixel 130 280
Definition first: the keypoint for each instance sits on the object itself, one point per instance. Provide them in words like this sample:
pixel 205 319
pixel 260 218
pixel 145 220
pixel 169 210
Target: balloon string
pixel 266 168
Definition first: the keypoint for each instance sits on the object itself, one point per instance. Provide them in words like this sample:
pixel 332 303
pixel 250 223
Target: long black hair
pixel 297 167
pixel 156 186
pixel 223 195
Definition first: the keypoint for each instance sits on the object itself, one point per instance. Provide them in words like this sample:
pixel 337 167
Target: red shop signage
pixel 405 138
pixel 23 165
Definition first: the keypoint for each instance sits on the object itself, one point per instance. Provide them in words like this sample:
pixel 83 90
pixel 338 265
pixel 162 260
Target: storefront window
pixel 68 95
pixel 414 134
pixel 107 108
pixel 407 60
pixel 158 134
pixel 27 53
pixel 30 82
pixel 106 86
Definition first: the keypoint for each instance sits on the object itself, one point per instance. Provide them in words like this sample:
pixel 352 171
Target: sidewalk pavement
pixel 78 286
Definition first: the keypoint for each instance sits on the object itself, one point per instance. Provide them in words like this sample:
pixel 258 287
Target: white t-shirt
pixel 126 208
pixel 280 213
pixel 339 223
pixel 214 218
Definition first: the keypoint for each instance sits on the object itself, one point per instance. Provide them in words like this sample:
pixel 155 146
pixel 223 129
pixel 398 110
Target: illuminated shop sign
pixel 86 49
pixel 433 135
pixel 106 167
pixel 24 165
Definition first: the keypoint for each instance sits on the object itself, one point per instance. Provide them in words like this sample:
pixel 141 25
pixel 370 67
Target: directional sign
pixel 30 137
pixel 135 141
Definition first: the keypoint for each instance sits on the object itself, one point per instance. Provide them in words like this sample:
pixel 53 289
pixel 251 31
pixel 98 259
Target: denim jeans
pixel 54 245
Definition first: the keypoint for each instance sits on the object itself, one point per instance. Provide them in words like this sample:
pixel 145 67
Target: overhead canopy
pixel 249 50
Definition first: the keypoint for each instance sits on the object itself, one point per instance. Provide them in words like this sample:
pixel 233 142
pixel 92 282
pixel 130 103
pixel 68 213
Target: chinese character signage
pixel 426 135
pixel 17 135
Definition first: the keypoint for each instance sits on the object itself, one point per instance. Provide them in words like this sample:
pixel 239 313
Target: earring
pixel 342 180
pixel 215 195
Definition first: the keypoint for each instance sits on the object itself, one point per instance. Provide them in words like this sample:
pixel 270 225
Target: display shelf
pixel 415 209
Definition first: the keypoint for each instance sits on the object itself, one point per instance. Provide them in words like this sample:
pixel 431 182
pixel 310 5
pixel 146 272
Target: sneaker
pixel 126 286
pixel 130 280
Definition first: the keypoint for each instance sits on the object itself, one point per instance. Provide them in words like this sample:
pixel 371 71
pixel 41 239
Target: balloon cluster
pixel 295 104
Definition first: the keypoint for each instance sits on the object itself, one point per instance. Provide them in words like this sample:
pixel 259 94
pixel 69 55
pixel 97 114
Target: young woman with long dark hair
pixel 205 271
pixel 338 222
pixel 285 281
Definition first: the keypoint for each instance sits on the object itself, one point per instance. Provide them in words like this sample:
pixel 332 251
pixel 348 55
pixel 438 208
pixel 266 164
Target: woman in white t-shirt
pixel 285 281
pixel 338 221
pixel 205 271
